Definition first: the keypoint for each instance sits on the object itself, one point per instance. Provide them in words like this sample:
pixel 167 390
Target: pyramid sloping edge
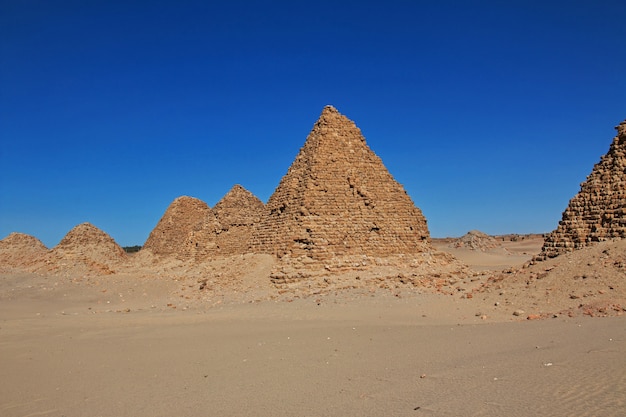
pixel 598 211
pixel 338 199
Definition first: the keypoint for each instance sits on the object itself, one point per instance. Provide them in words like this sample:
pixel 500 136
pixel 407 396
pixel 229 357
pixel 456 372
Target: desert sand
pixel 140 345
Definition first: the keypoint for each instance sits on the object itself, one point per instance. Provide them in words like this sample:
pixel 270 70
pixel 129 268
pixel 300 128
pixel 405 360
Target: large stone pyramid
pixel 338 199
pixel 598 211
pixel 237 213
pixel 186 231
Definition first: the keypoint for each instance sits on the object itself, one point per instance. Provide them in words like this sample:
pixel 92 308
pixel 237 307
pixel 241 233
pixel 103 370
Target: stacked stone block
pixel 338 199
pixel 237 213
pixel 86 247
pixel 19 249
pixel 191 230
pixel 186 231
pixel 598 211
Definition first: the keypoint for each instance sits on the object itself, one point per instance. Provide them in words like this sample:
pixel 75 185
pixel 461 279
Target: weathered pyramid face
pixel 337 199
pixel 19 249
pixel 22 241
pixel 86 240
pixel 84 250
pixel 598 211
pixel 186 230
pixel 237 213
pixel 239 207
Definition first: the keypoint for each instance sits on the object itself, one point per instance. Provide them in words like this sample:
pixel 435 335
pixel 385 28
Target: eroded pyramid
pixel 338 199
pixel 476 240
pixel 186 231
pixel 20 250
pixel 85 248
pixel 598 211
pixel 237 213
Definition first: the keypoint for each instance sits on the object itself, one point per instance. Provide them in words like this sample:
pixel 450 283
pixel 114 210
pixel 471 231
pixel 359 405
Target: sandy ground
pixel 124 345
pixel 509 254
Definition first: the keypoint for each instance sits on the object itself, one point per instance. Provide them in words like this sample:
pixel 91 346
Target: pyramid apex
pixel 236 192
pixel 332 119
pixel 186 199
pixel 238 189
pixel 329 112
pixel 85 227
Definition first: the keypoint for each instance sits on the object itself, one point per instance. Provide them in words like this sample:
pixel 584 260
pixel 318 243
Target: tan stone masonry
pixel 237 213
pixel 186 230
pixel 598 211
pixel 338 199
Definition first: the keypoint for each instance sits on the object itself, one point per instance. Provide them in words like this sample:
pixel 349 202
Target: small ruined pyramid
pixel 20 250
pixel 598 211
pixel 476 240
pixel 338 199
pixel 237 213
pixel 86 247
pixel 186 231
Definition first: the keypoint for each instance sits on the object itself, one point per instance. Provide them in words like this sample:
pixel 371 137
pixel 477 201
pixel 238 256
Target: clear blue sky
pixel 490 113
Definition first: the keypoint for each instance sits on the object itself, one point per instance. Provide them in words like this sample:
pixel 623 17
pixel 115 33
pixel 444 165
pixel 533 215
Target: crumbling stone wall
pixel 598 211
pixel 338 199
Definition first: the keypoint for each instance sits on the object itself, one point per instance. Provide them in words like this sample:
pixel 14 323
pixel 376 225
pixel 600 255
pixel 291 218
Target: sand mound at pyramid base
pixel 591 281
pixel 67 265
pixel 219 274
pixel 431 270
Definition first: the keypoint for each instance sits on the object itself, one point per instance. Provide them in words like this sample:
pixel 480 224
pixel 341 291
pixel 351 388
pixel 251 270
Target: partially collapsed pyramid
pixel 476 240
pixel 191 231
pixel 598 211
pixel 88 241
pixel 20 250
pixel 86 248
pixel 338 199
pixel 186 231
pixel 237 213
